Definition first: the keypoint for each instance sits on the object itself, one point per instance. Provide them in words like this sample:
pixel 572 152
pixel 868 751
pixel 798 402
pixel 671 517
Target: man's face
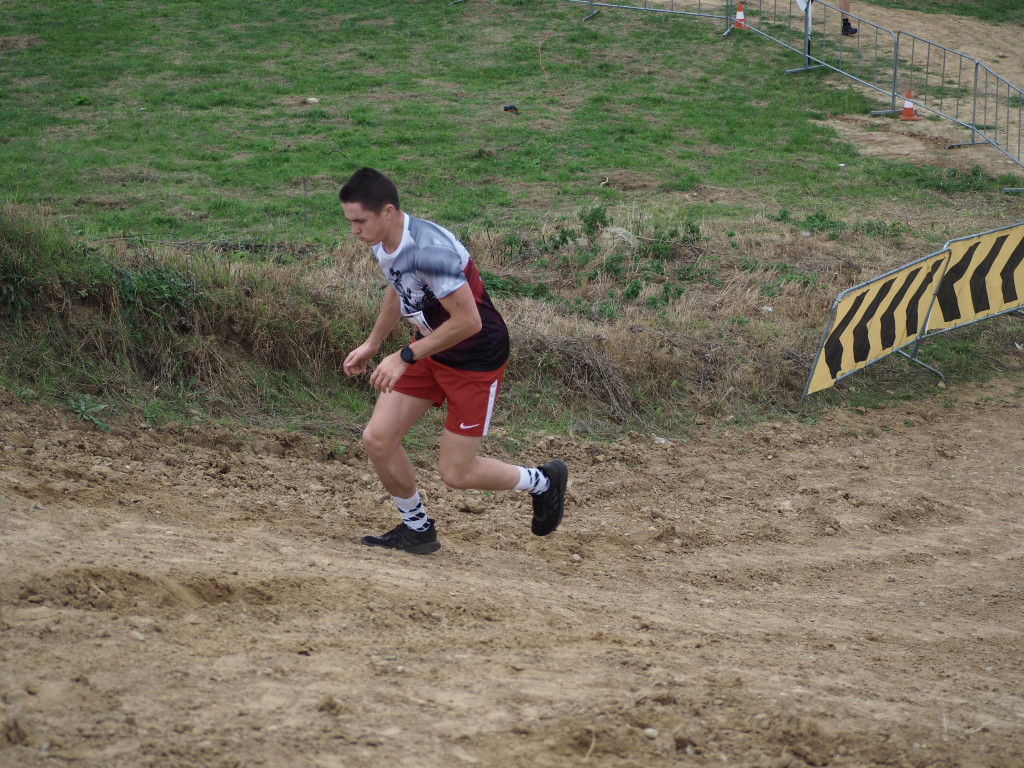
pixel 368 226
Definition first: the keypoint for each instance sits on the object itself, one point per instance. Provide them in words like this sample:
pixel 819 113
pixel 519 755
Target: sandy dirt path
pixel 844 594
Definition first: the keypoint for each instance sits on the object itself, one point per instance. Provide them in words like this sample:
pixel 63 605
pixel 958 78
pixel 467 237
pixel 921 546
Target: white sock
pixel 532 480
pixel 413 513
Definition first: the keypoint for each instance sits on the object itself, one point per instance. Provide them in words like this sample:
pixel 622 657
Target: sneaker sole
pixel 416 549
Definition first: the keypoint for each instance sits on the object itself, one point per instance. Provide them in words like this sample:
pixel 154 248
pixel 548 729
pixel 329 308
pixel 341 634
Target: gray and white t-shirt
pixel 429 264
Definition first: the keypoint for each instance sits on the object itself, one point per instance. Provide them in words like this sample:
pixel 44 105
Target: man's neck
pixel 395 232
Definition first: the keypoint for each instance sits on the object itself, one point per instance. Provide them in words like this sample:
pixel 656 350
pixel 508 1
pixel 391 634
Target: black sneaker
pixel 404 538
pixel 848 28
pixel 549 506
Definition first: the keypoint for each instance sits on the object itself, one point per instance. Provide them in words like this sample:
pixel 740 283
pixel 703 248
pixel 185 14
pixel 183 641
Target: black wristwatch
pixel 407 355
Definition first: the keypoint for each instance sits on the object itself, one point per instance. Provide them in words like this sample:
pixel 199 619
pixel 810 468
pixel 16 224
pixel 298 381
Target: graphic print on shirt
pixel 412 310
pixel 428 265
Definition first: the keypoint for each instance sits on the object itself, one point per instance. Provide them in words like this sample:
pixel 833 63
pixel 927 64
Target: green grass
pixel 140 129
pixel 992 11
pixel 187 120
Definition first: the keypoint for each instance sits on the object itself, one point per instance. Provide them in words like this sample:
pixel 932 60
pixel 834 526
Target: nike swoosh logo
pixel 463 425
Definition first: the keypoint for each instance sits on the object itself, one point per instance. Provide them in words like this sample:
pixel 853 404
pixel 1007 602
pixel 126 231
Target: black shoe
pixel 549 506
pixel 848 28
pixel 404 538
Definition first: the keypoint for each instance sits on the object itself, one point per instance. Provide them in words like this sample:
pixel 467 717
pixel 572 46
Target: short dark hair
pixel 371 189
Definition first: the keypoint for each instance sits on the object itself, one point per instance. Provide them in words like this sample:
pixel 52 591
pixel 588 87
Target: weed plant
pixel 170 335
pixel 191 328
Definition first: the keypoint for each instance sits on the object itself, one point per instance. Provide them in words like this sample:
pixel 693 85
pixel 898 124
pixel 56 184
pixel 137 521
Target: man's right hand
pixel 357 359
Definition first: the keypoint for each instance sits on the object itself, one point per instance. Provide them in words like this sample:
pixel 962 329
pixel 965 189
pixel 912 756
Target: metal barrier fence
pixel 866 57
pixel 1003 104
pixel 939 80
pixel 712 9
pixel 962 89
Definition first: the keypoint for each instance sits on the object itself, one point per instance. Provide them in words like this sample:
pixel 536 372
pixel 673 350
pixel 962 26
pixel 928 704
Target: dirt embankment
pixel 842 594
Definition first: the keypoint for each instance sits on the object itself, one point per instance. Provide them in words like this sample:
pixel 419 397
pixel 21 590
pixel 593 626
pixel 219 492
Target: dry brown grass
pixel 740 342
pixel 134 320
pixel 223 331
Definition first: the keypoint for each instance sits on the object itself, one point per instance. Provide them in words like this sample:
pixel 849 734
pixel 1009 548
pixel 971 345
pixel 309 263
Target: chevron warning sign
pixel 874 319
pixel 985 277
pixel 970 279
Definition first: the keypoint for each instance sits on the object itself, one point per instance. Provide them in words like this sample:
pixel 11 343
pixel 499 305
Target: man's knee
pixel 455 476
pixel 374 441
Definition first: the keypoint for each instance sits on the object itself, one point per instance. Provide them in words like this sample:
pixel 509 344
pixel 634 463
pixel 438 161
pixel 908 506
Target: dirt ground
pixel 846 593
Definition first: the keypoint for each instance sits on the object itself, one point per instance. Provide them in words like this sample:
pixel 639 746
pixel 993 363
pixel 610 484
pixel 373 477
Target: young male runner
pixel 458 356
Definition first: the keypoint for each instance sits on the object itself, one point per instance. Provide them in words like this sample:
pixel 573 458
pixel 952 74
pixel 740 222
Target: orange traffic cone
pixel 908 109
pixel 739 18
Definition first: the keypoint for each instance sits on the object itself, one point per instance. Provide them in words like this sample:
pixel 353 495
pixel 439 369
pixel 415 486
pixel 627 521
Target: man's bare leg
pixel 393 416
pixel 461 467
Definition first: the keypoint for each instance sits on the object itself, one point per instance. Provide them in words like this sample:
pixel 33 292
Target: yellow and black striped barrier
pixel 970 279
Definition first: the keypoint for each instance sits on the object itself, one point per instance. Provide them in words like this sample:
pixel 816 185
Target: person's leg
pixel 844 9
pixel 471 396
pixel 393 416
pixel 461 467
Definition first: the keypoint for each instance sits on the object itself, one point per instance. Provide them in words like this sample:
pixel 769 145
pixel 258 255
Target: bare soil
pixel 846 593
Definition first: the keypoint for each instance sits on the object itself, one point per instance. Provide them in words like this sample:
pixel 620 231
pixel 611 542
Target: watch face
pixel 406 355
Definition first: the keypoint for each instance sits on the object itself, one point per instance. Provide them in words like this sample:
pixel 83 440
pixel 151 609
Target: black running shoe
pixel 549 506
pixel 404 538
pixel 848 28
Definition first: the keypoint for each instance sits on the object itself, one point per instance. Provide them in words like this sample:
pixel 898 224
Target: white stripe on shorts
pixel 490 405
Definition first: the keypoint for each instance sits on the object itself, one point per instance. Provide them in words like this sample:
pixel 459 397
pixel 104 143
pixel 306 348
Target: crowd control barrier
pixel 898 65
pixel 971 279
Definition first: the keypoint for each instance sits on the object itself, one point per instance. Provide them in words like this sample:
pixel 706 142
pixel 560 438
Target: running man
pixel 458 356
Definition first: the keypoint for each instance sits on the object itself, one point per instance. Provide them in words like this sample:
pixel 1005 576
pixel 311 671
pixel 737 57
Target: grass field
pixel 176 146
pixel 992 11
pixel 194 122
